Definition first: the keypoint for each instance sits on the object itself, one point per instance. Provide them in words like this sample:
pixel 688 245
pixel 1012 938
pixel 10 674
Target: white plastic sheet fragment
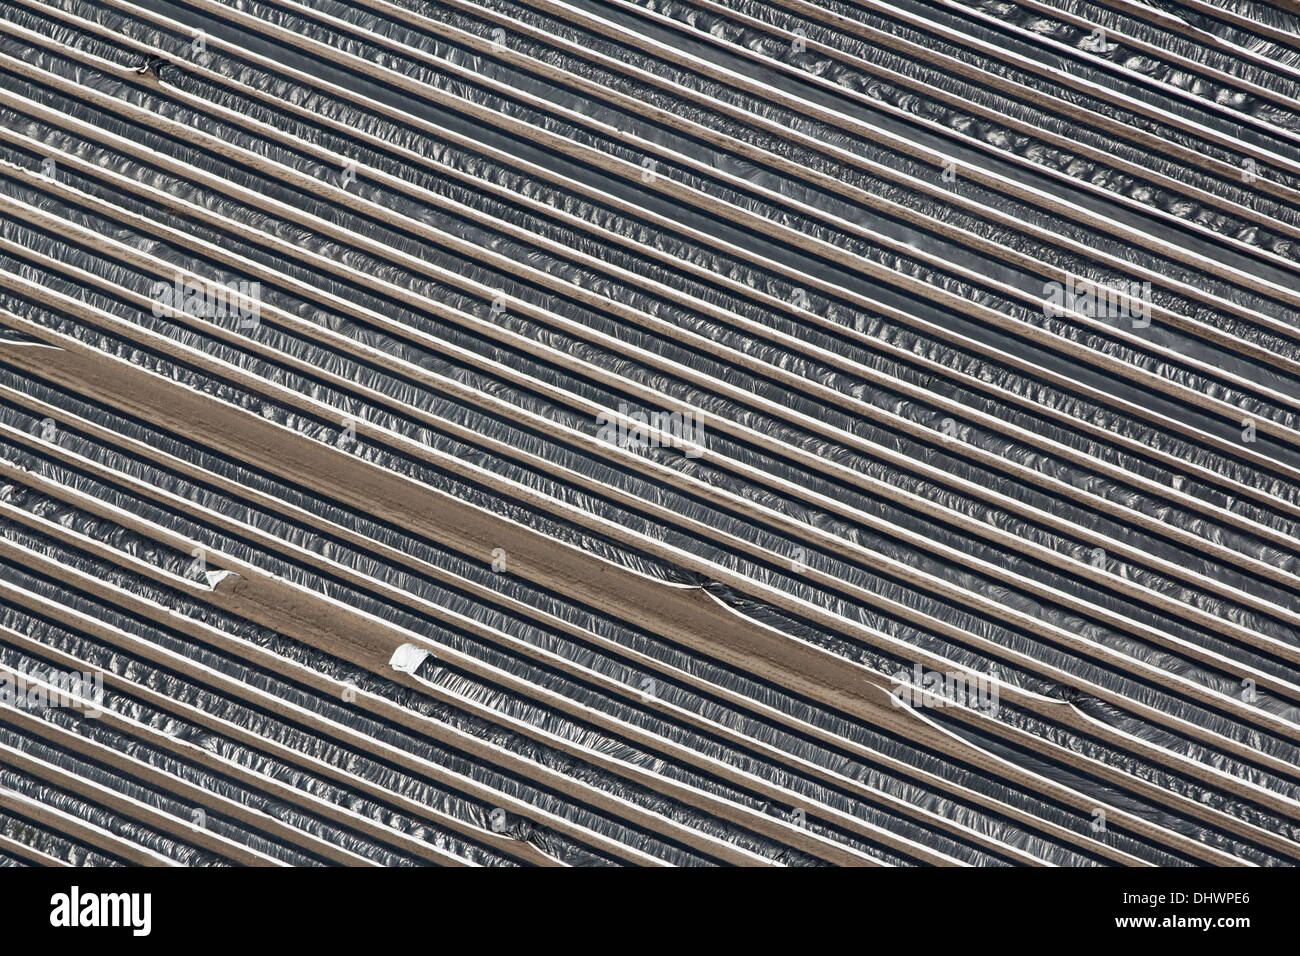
pixel 408 658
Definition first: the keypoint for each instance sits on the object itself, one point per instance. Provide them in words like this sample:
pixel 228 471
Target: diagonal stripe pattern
pixel 644 432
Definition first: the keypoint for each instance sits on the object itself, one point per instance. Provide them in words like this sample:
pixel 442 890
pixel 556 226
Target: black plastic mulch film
pixel 483 235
